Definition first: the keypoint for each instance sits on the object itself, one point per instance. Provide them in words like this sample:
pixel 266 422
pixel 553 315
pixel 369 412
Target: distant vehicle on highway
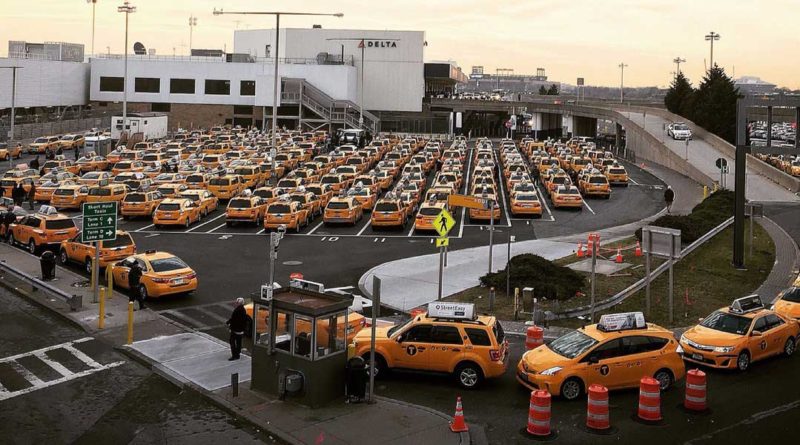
pixel 679 130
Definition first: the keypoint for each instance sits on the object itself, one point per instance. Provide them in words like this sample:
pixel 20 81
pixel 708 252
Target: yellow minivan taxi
pixel 616 353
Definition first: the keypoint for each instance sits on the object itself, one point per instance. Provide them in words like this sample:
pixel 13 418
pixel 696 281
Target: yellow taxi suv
pixel 616 353
pixel 527 204
pixel 140 204
pixel 287 213
pixel 203 198
pixel 162 274
pixel 427 213
pixel 176 212
pixel 225 187
pixel 107 193
pixel 7 153
pixel 43 228
pixel 69 196
pixel 245 208
pixel 736 336
pixel 567 196
pixel 342 209
pixel 76 251
pixel 389 211
pixel 450 339
pixel 595 184
pixel 788 302
pixel 617 175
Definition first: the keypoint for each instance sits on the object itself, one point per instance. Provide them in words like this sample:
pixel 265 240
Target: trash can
pixel 356 379
pixel 48 264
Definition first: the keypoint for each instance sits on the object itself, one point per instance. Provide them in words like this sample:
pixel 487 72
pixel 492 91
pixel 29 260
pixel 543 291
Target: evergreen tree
pixel 679 97
pixel 714 105
pixel 553 90
pixel 542 91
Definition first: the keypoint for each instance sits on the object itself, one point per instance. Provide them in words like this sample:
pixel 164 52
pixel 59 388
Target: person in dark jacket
pixel 18 194
pixel 77 153
pixel 32 195
pixel 8 219
pixel 237 324
pixel 48 154
pixel 669 196
pixel 134 279
pixel 59 151
pixel 35 163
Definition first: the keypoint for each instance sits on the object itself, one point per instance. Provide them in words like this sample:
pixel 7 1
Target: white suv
pixel 679 130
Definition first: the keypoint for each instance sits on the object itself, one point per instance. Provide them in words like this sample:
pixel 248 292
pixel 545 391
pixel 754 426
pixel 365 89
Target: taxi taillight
pixel 496 355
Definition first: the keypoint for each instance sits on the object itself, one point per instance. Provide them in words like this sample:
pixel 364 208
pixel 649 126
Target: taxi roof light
pixel 746 304
pixel 621 322
pixel 454 311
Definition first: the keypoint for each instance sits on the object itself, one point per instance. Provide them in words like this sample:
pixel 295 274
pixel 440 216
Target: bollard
pixel 649 400
pixel 705 191
pixel 101 320
pixel 695 391
pixel 539 414
pixel 534 337
pixel 130 322
pixel 597 418
pixel 235 384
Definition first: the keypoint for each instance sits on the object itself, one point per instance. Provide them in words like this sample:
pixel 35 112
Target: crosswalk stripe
pixel 59 368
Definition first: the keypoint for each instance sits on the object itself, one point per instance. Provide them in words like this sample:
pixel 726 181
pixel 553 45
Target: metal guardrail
pixel 639 285
pixel 75 302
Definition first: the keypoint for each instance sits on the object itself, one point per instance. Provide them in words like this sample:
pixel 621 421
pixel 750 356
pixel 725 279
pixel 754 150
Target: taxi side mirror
pixel 755 334
pixel 399 339
pixel 593 359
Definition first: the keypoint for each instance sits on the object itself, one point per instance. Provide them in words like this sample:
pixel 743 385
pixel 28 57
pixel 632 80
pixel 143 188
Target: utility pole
pixel 711 37
pixel 192 24
pixel 128 10
pixel 622 67
pixel 13 103
pixel 678 62
pixel 94 4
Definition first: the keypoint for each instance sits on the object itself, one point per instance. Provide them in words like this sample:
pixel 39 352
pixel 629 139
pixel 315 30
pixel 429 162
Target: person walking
pixel 32 195
pixel 18 194
pixel 34 164
pixel 48 154
pixel 77 153
pixel 134 280
pixel 535 172
pixel 237 324
pixel 59 151
pixel 669 197
pixel 8 219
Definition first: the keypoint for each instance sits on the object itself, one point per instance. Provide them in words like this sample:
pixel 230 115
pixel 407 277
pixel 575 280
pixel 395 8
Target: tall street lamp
pixel 192 24
pixel 677 61
pixel 277 50
pixel 128 9
pixel 622 67
pixel 711 37
pixel 94 4
pixel 13 103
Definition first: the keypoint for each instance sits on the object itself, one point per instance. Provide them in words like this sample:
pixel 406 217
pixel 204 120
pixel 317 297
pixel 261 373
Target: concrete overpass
pixel 646 140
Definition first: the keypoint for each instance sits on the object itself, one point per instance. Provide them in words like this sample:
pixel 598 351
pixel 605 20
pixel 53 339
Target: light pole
pixel 192 24
pixel 711 37
pixel 678 62
pixel 13 105
pixel 128 10
pixel 622 67
pixel 94 4
pixel 277 51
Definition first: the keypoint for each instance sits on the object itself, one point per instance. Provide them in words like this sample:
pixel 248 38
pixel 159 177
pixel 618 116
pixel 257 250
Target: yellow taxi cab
pixel 61 165
pixel 450 339
pixel 203 198
pixel 40 145
pixel 567 196
pixel 616 174
pixel 734 337
pixel 140 204
pixel 342 209
pixel 176 212
pixel 427 213
pixel 169 178
pixel 526 203
pixel 198 180
pixel 321 191
pixel 335 181
pixel 172 190
pixel 595 183
pixel 76 251
pixel 43 228
pixel 389 211
pixel 251 175
pixel 107 193
pixel 162 274
pixel 20 175
pixel 7 153
pixel 127 166
pixel 225 187
pixel 71 141
pixel 69 196
pixel 95 178
pixel 289 184
pixel 616 353
pixel 364 196
pixel 287 213
pixel 45 188
pixel 384 178
pixel 793 168
pixel 245 208
pixel 308 200
pixel 555 179
pixel 788 302
pixel 269 194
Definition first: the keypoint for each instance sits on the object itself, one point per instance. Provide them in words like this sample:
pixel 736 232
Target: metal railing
pixel 75 302
pixel 639 285
pixel 223 59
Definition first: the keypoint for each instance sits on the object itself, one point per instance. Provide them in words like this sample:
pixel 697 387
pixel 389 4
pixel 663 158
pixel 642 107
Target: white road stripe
pixel 90 362
pixel 315 228
pixel 260 231
pixel 632 181
pixel 9 395
pixel 207 222
pixel 410 232
pixel 145 227
pixel 215 228
pixel 543 200
pixel 58 367
pixel 26 374
pixel 587 206
pixel 369 221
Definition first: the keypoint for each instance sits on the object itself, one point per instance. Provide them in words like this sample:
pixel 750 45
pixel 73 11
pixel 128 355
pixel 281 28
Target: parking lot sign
pixel 99 221
pixel 443 223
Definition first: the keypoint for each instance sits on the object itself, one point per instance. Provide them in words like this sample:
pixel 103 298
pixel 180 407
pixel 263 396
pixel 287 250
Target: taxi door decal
pixel 604 370
pixel 411 350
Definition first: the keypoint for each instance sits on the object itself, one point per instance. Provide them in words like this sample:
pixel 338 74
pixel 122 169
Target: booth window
pixel 330 335
pixel 247 88
pixel 283 331
pixel 302 336
pixel 219 87
pixel 147 85
pixel 114 84
pixel 160 107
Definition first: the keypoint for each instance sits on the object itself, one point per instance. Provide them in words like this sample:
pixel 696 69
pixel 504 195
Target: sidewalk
pixel 787 261
pixel 200 362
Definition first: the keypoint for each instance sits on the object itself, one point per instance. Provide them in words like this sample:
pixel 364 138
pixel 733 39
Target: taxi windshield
pixel 792 295
pixel 386 207
pixel 239 203
pixel 726 322
pixel 338 205
pixel 167 264
pixel 398 327
pixel 572 345
pixel 280 208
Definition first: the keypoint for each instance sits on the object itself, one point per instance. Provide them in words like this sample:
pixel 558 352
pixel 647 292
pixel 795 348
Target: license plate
pixel 697 356
pixel 180 281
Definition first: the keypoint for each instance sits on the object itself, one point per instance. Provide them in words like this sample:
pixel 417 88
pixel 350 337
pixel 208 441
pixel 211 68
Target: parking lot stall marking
pixel 466 187
pixel 145 227
pixel 411 232
pixel 364 228
pixel 261 231
pixel 587 206
pixel 543 200
pixel 502 198
pixel 207 222
pixel 215 228
pixel 315 228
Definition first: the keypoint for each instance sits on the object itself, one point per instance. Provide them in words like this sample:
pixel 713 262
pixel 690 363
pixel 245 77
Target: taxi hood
pixel 543 358
pixel 787 308
pixel 711 337
pixel 366 334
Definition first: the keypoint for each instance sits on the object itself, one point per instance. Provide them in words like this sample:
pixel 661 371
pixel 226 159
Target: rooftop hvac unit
pixel 322 58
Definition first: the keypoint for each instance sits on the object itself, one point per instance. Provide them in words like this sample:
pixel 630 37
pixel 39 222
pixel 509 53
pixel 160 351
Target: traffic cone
pixel 458 425
pixel 618 258
pixel 580 250
pixel 638 251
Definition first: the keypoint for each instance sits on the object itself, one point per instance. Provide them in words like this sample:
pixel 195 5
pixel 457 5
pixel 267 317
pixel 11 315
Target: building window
pixel 247 88
pixel 243 109
pixel 147 85
pixel 181 86
pixel 160 107
pixel 221 87
pixel 114 84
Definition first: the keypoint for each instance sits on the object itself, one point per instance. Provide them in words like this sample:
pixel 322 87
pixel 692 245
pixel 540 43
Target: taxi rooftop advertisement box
pixel 465 311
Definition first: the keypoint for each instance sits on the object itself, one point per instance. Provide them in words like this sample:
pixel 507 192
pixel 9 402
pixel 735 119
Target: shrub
pixel 710 213
pixel 548 279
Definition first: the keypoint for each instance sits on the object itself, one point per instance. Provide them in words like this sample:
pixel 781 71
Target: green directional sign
pixel 99 221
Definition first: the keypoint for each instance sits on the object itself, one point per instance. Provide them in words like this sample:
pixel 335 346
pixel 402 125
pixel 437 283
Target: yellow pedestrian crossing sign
pixel 444 222
pixel 442 242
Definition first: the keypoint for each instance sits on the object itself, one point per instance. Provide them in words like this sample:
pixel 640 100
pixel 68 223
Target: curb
pixel 27 295
pixel 464 437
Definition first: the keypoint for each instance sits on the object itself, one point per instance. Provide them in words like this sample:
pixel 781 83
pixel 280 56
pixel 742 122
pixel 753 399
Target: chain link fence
pixel 34 130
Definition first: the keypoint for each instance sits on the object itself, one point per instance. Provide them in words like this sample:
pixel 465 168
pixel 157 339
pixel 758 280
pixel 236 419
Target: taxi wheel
pixel 571 389
pixel 664 377
pixel 87 265
pixel 468 375
pixel 63 257
pixel 143 291
pixel 32 247
pixel 381 370
pixel 743 361
pixel 789 347
pixel 186 224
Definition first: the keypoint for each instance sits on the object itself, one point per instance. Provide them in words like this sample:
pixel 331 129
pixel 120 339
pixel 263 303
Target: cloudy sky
pixel 570 38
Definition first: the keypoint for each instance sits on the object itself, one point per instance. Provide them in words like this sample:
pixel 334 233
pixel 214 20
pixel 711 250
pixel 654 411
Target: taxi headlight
pixel 683 339
pixel 723 349
pixel 552 371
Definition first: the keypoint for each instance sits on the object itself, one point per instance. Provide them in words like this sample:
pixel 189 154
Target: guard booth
pixel 307 360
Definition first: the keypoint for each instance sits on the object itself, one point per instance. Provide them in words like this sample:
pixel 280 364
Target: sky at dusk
pixel 569 38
